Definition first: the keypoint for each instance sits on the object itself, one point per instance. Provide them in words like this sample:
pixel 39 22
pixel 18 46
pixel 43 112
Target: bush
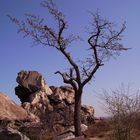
pixel 124 108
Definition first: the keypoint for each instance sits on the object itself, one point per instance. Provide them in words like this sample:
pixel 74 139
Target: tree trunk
pixel 77 113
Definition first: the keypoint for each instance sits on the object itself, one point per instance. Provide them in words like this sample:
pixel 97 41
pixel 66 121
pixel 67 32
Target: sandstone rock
pixel 11 134
pixel 30 82
pixel 83 128
pixel 89 110
pixel 58 128
pixel 9 110
pixel 87 113
pixel 63 93
pixel 38 104
pixel 53 105
pixel 33 118
pixel 78 138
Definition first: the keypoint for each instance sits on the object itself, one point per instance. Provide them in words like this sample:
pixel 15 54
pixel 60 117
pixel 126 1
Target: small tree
pixel 124 108
pixel 104 42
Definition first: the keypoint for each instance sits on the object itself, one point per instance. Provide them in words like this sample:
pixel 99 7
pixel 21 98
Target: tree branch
pixel 68 80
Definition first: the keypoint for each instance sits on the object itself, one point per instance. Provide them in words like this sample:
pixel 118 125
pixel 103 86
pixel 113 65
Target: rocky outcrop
pixel 30 82
pixel 53 105
pixel 11 134
pixel 63 93
pixel 9 110
pixel 87 113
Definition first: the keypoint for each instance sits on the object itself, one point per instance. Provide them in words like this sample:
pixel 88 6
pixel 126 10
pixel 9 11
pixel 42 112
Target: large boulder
pixel 9 110
pixel 30 82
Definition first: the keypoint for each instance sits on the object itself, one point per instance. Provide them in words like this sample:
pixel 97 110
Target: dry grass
pixel 38 136
pixel 98 129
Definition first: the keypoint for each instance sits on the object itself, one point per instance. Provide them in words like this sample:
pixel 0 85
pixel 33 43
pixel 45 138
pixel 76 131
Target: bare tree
pixel 103 43
pixel 123 105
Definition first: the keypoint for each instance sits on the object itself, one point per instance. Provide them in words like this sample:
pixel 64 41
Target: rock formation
pixel 53 105
pixel 9 110
pixel 11 134
pixel 30 82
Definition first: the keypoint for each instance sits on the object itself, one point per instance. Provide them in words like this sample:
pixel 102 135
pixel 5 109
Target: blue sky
pixel 17 54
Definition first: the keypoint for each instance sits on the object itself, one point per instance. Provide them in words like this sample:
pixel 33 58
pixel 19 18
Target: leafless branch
pixel 104 41
pixel 123 105
pixel 68 79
